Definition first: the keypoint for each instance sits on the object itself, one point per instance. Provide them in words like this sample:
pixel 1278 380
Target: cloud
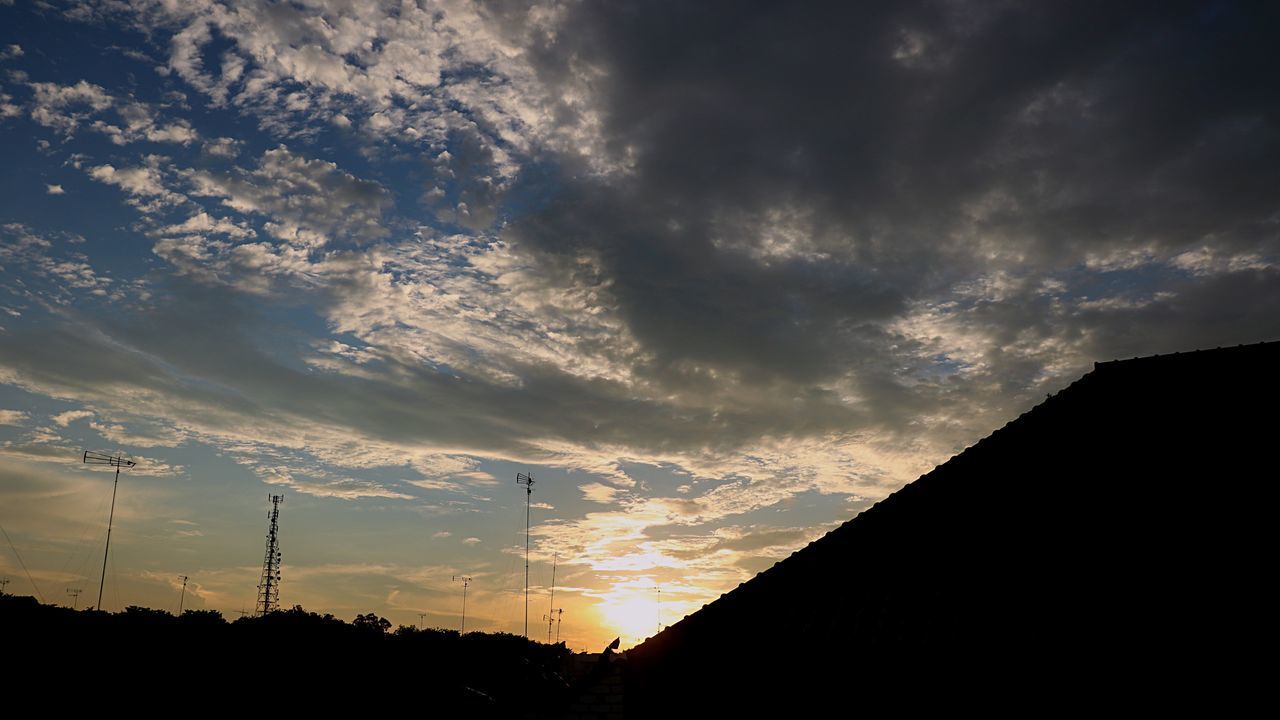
pixel 773 252
pixel 69 108
pixel 145 184
pixel 13 417
pixel 66 418
pixel 54 190
pixel 308 202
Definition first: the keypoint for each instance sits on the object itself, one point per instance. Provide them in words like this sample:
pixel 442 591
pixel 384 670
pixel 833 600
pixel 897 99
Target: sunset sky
pixel 720 275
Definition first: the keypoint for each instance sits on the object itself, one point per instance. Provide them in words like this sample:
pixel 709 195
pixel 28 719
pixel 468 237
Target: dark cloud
pixel 797 175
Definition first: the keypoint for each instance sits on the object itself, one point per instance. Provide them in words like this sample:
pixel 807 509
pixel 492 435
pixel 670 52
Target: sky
pixel 719 275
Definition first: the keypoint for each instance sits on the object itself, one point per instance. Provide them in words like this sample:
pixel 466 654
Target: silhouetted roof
pixel 1124 519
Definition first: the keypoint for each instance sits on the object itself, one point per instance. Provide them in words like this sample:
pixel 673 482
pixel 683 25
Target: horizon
pixel 719 276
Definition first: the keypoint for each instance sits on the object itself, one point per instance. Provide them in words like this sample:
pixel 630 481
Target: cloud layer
pixel 729 271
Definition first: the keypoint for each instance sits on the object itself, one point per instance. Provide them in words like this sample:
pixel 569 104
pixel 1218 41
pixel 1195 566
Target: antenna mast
pixel 75 597
pixel 269 585
pixel 466 580
pixel 116 461
pixel 526 480
pixel 555 558
pixel 183 596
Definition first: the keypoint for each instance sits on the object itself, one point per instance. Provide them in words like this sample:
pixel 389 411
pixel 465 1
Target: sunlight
pixel 631 612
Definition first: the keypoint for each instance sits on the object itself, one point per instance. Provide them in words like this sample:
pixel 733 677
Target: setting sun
pixel 632 612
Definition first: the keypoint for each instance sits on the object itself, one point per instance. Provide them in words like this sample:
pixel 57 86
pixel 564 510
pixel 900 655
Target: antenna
pixel 4 583
pixel 554 559
pixel 551 619
pixel 269 585
pixel 183 596
pixel 117 462
pixel 658 603
pixel 75 597
pixel 526 480
pixel 466 580
pixel 422 621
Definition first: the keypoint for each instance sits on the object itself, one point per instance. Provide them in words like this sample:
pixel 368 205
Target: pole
pixel 110 519
pixel 528 498
pixel 551 610
pixel 183 596
pixel 465 583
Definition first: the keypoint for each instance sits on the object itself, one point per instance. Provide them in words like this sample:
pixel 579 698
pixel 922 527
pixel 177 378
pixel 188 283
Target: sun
pixel 630 612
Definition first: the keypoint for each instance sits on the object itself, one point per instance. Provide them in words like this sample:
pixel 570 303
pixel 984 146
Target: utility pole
pixel 4 583
pixel 559 617
pixel 116 461
pixel 422 621
pixel 466 580
pixel 75 597
pixel 526 480
pixel 269 585
pixel 183 596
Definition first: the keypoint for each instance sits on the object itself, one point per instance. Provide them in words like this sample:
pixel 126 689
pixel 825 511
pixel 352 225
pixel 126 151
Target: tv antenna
pixel 422 621
pixel 526 480
pixel 466 580
pixel 117 462
pixel 555 558
pixel 553 617
pixel 75 597
pixel 183 596
pixel 269 585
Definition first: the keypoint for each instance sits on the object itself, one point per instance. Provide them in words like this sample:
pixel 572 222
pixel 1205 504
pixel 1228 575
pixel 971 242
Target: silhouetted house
pixel 1112 546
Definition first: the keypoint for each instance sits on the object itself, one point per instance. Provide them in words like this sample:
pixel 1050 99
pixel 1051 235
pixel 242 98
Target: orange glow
pixel 631 611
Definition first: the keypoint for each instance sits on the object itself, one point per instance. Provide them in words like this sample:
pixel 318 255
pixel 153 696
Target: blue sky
pixel 719 276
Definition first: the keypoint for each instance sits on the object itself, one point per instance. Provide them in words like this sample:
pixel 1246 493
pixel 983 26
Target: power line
pixel 22 564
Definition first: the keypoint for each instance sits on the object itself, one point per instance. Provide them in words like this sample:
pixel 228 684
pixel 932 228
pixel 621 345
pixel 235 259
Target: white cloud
pixel 13 417
pixel 66 418
pixel 1205 261
pixel 10 52
pixel 140 181
pixel 308 202
pixel 65 107
pixel 54 190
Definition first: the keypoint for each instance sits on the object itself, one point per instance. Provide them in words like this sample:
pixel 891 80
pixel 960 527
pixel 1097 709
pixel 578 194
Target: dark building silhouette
pixel 1113 547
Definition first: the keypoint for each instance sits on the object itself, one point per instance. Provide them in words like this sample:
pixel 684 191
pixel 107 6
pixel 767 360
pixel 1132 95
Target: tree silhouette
pixel 372 623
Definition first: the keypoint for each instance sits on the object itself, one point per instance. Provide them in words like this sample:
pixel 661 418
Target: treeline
pixel 288 661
